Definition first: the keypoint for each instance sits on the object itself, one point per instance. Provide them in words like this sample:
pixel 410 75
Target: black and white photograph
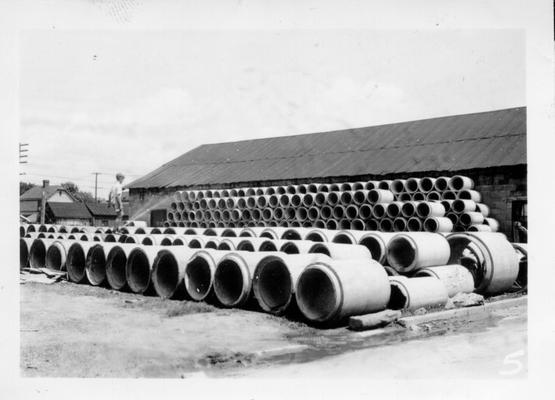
pixel 233 193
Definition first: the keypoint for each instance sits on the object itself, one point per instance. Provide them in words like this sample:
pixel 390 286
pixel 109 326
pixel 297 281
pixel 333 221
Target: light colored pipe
pixel 302 188
pixel 369 185
pixel 76 261
pixel 338 212
pixel 479 228
pixel 469 195
pixel 345 223
pixel 412 185
pixel 376 243
pixel 415 293
pixel 365 211
pixel 433 196
pixel 357 185
pixel 199 273
pixel 399 224
pixel 307 200
pixel 275 278
pixel 320 199
pixel 482 208
pixel 438 224
pixel 319 223
pixel 385 184
pixel 331 224
pixel 386 225
pixel 441 184
pixel 371 225
pixel 449 195
pixel 168 272
pixel 398 185
pixel 24 247
pixel 427 209
pixel 408 209
pixel 459 182
pixel 279 214
pixel 225 244
pixel 380 196
pixel 460 206
pixel 56 255
pixel 251 202
pixel 338 251
pixel 352 211
pixel 346 197
pixel 329 292
pixel 37 252
pixel 379 210
pixel 345 186
pixel 96 263
pixel 267 214
pixel 301 214
pixel 318 235
pixel 332 198
pixel 393 209
pixel 492 223
pixel 290 215
pixel 326 212
pixel 138 269
pixel 455 278
pixel 270 190
pixel 313 213
pixel 471 218
pixel 453 217
pixel 494 262
pixel 256 214
pixel 414 250
pixel 291 189
pixel 426 184
pixel 418 196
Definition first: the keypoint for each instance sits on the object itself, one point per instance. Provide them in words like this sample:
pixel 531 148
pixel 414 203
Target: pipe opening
pixel 223 246
pixel 138 276
pixel 229 233
pixel 37 254
pixel 401 252
pixel 23 254
pixel 228 282
pixel 195 244
pixel 147 241
pixel 291 234
pixel 342 238
pixel 96 262
pixel 374 246
pixel 427 184
pixel 115 268
pixel 320 249
pixel 166 242
pixel 431 225
pixel 398 300
pixel 290 248
pixel 314 237
pixel 211 244
pixel 76 263
pixel 245 245
pixel 267 246
pixel 316 294
pixel 274 286
pixel 166 274
pixel 199 278
pixel 53 258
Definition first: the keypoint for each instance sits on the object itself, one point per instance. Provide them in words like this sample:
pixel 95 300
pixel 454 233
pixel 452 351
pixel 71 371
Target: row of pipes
pixel 356 206
pixel 325 277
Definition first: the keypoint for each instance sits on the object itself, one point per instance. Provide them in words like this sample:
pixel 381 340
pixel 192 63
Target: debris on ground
pixel 465 300
pixel 40 275
pixel 374 320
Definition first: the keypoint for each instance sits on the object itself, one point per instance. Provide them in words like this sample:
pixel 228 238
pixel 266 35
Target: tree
pixel 73 189
pixel 24 186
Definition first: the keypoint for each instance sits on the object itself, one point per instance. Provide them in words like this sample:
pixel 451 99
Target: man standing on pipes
pixel 116 199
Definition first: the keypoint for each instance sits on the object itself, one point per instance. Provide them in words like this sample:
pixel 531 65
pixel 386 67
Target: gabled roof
pixel 68 210
pixel 454 143
pixel 35 193
pixel 101 210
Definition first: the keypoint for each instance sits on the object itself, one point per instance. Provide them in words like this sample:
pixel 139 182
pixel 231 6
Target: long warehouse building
pixel 489 147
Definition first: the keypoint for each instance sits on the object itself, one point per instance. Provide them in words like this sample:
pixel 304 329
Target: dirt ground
pixel 70 330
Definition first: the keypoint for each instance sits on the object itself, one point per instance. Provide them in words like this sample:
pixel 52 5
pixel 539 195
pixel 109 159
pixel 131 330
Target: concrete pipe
pixel 426 184
pixel 233 277
pixel 345 186
pixel 357 224
pixel 461 206
pixel 302 189
pixel 291 189
pixel 433 196
pixel 331 224
pixel 418 196
pixel 34 228
pixel 427 209
pixel 369 185
pixel 441 184
pixel 346 237
pixel 76 261
pixel 241 203
pixel 376 196
pixel 259 191
pixel 320 199
pixel 357 185
pixel 225 244
pixel 329 292
pixel 398 185
pixel 455 278
pixel 469 195
pixel 521 281
pixel 272 233
pixel 168 272
pixel 379 210
pixel 453 217
pixel 250 192
pixel 386 225
pixel 344 223
pixel 438 224
pixel 317 235
pixel 338 212
pixel 290 214
pixel 256 215
pixel 24 250
pixel 199 273
pixel 224 193
pixel 365 211
pixel 296 200
pixel 332 199
pixel 313 187
pixel 351 212
pixel 279 214
pixel 482 208
pixel 132 238
pixel 152 240
pixel 95 266
pixel 251 202
pixel 346 198
pixel 275 278
pixel 245 215
pixel 408 209
pixel 138 269
pixel 37 252
pixel 338 251
pixel 492 223
pixel 415 250
pixel 471 218
pixel 116 261
pixel 412 185
pixel 492 261
pixel 400 224
pixel 478 228
pixel 56 255
pixel 295 246
pixel 204 204
pixel 307 200
pixel 326 212
pixel 270 190
pixel 449 195
pixel 385 184
pixel 319 223
pixel 234 215
pixel 376 243
pixel 415 293
pixel 281 190
pixel 301 214
pixel 393 209
pixel 371 225
pixel 313 213
pixel 403 197
pixel 459 182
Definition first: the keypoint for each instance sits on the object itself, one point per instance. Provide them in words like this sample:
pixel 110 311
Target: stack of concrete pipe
pixel 323 274
pixel 415 204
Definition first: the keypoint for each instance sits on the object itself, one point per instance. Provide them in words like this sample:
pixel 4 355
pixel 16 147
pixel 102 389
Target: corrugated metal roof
pixel 480 140
pixel 68 210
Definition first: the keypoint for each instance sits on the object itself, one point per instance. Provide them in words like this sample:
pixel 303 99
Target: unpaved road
pixel 70 330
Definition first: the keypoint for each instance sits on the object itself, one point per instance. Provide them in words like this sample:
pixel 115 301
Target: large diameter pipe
pixel 492 259
pixel 56 255
pixel 414 224
pixel 138 270
pixel 376 243
pixel 95 267
pixel 455 278
pixel 37 252
pixel 471 218
pixel 116 261
pixel 461 206
pixel 275 279
pixel 386 225
pixel 415 293
pixel 168 272
pixel 410 251
pixel 329 292
pixel 24 247
pixel 76 261
pixel 199 273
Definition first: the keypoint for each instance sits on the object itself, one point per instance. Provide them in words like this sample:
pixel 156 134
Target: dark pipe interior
pixel 228 282
pixel 115 268
pixel 317 294
pixel 198 278
pixel 167 274
pixel 274 284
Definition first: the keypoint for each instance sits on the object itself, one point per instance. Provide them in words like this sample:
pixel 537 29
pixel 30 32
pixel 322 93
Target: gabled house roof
pixel 35 193
pixel 68 210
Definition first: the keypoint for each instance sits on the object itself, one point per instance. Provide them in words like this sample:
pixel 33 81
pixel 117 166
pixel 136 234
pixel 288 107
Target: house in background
pixel 102 215
pixel 69 214
pixel 30 201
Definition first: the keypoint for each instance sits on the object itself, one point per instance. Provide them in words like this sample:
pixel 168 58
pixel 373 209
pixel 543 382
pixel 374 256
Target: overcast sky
pixel 130 101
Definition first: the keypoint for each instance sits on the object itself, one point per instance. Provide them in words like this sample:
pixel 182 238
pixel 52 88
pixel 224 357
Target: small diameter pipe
pixel 76 261
pixel 393 209
pixel 379 210
pixel 386 225
pixel 408 209
pixel 438 224
pixel 317 235
pixel 385 184
pixel 403 197
pixel 433 196
pixel 412 185
pixel 426 184
pixel 332 199
pixel 428 209
pixel 414 250
pixel 461 206
pixel 376 243
pixel 139 268
pixel 329 292
pixel 459 182
pixel 313 213
pixel 441 184
pixel 365 211
pixel 380 196
pixel 398 185
pixel 415 293
pixel 399 224
pixel 369 185
pixel 469 195
pixel 331 224
pixel 418 196
pixel 455 277
pixel 358 225
pixel 275 278
pixel 351 211
pixel 168 272
pixel 471 218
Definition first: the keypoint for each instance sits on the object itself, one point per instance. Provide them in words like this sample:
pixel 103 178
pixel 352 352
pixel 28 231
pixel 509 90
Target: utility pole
pixel 22 156
pixel 96 185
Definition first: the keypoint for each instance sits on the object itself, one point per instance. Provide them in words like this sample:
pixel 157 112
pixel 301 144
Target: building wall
pixel 72 222
pixel 499 187
pixel 60 197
